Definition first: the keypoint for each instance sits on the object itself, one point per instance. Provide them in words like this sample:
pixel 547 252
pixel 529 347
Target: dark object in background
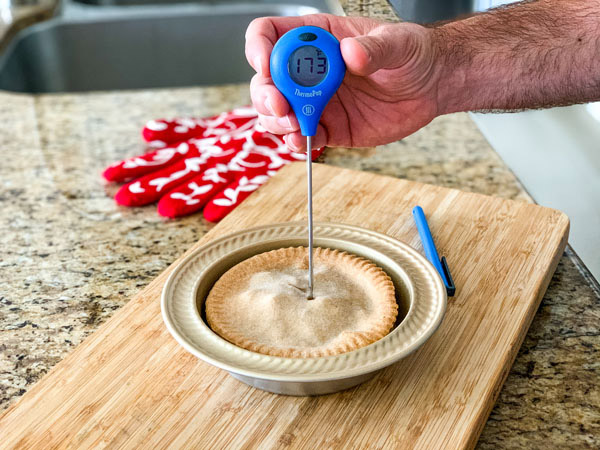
pixel 428 11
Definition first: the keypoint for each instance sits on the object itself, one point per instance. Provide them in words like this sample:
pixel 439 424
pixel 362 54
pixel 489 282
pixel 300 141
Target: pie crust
pixel 260 304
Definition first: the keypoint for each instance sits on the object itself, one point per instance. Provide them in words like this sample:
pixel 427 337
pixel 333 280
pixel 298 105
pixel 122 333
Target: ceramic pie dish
pixel 420 294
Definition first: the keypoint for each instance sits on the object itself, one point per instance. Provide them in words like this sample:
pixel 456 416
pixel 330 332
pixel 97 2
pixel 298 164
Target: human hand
pixel 213 163
pixel 390 88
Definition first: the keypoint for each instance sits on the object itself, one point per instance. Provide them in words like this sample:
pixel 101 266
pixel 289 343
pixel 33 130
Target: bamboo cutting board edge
pixel 505 368
pixel 230 223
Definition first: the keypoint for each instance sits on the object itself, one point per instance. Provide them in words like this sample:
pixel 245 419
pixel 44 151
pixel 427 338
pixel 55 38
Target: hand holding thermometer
pixel 308 68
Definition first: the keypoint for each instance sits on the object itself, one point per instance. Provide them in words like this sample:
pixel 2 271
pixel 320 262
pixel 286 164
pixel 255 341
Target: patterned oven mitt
pixel 213 163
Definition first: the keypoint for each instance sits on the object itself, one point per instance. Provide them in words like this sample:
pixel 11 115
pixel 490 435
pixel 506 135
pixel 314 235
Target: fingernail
pixel 285 122
pixel 290 143
pixel 269 106
pixel 257 65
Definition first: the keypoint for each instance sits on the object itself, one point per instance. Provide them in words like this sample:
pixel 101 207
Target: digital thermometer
pixel 308 68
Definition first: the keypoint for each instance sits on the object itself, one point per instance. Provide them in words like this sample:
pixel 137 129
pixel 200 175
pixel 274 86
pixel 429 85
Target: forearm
pixel 529 55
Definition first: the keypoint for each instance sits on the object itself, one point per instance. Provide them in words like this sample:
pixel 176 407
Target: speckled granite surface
pixel 69 257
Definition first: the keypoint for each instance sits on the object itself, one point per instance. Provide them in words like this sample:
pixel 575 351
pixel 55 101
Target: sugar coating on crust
pixel 260 304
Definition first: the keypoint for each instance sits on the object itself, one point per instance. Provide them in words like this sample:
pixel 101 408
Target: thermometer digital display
pixel 307 65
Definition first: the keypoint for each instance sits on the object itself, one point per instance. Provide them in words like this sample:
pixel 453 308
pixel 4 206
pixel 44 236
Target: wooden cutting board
pixel 131 385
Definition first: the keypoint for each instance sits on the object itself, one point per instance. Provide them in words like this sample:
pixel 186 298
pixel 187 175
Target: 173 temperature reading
pixel 307 66
pixel 321 67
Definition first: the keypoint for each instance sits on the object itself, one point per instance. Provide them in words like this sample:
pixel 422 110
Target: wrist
pixel 451 75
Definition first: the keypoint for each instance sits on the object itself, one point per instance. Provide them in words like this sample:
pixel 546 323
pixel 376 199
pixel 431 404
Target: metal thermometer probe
pixel 311 273
pixel 308 68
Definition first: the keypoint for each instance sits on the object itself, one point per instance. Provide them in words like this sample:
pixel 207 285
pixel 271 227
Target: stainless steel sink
pixel 429 11
pixel 91 48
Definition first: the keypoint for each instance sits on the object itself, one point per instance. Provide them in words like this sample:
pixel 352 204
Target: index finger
pixel 262 33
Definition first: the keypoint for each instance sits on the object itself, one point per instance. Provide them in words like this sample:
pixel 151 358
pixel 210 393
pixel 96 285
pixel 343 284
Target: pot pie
pixel 260 304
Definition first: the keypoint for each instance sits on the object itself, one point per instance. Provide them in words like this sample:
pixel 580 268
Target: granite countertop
pixel 70 256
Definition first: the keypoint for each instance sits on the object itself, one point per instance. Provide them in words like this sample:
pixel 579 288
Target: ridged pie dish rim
pixel 184 321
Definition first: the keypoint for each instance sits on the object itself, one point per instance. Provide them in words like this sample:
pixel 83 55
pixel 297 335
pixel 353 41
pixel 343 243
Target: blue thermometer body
pixel 308 68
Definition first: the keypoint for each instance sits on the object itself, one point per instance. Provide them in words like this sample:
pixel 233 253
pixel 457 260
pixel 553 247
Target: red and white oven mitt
pixel 212 163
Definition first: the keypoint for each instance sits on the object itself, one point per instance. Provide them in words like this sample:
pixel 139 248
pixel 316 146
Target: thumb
pixel 383 48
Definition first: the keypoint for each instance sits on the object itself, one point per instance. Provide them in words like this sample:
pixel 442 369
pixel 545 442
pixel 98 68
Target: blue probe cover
pixel 307 102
